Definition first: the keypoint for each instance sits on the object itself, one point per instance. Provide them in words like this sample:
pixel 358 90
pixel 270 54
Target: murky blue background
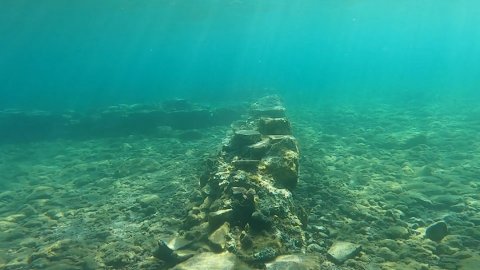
pixel 70 54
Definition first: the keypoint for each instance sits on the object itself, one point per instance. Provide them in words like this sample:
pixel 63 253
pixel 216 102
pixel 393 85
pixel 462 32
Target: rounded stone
pixel 437 231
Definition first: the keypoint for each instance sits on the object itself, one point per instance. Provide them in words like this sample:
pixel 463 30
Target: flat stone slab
pixel 212 261
pixel 341 251
pixel 294 262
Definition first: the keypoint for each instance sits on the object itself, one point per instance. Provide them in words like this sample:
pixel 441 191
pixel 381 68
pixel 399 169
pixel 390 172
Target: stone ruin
pixel 158 119
pixel 244 213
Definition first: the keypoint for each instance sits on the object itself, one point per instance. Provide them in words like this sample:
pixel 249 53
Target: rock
pixel 168 255
pixel 164 252
pixel 260 222
pixel 242 138
pixel 218 239
pixel 314 248
pixel 219 217
pixel 264 254
pixel 246 185
pixel 148 200
pixel 386 254
pixel 178 243
pixel 294 262
pixel 437 231
pixel 258 150
pixel 246 164
pixel 283 170
pixel 397 232
pixel 390 244
pixel 212 261
pixel 281 145
pixel 282 160
pixel 274 126
pixel 341 251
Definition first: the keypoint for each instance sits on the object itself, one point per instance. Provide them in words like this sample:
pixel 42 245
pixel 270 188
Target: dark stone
pixel 437 231
pixel 217 218
pixel 243 138
pixel 264 255
pixel 260 222
pixel 246 240
pixel 274 126
pixel 166 254
pixel 246 164
pixel 163 252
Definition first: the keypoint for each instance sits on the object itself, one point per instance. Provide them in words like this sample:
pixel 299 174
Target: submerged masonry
pixel 244 215
pixel 170 118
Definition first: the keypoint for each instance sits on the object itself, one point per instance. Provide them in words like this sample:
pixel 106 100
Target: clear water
pixel 70 54
pixel 382 96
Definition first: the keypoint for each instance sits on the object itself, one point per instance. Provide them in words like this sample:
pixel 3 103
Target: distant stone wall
pixel 245 203
pixel 24 126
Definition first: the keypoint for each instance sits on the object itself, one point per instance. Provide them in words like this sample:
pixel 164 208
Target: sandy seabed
pixel 376 176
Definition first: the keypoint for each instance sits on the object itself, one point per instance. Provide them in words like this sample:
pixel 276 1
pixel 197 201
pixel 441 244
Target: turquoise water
pixel 114 112
pixel 70 54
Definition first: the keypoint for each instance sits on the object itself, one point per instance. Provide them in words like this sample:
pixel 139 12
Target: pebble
pixel 341 251
pixel 212 261
pixel 314 248
pixel 219 217
pixel 397 232
pixel 437 231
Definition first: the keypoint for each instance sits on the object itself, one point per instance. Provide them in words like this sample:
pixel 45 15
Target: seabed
pixel 373 178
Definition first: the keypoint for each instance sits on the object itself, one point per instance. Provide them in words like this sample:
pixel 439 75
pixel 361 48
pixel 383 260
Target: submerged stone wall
pixel 26 126
pixel 245 204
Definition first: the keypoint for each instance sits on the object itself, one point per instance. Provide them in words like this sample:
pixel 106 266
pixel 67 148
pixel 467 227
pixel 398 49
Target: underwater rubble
pixel 245 204
pixel 115 121
pixel 375 195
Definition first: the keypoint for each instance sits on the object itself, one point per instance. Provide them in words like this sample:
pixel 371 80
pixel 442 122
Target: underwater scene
pixel 239 135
